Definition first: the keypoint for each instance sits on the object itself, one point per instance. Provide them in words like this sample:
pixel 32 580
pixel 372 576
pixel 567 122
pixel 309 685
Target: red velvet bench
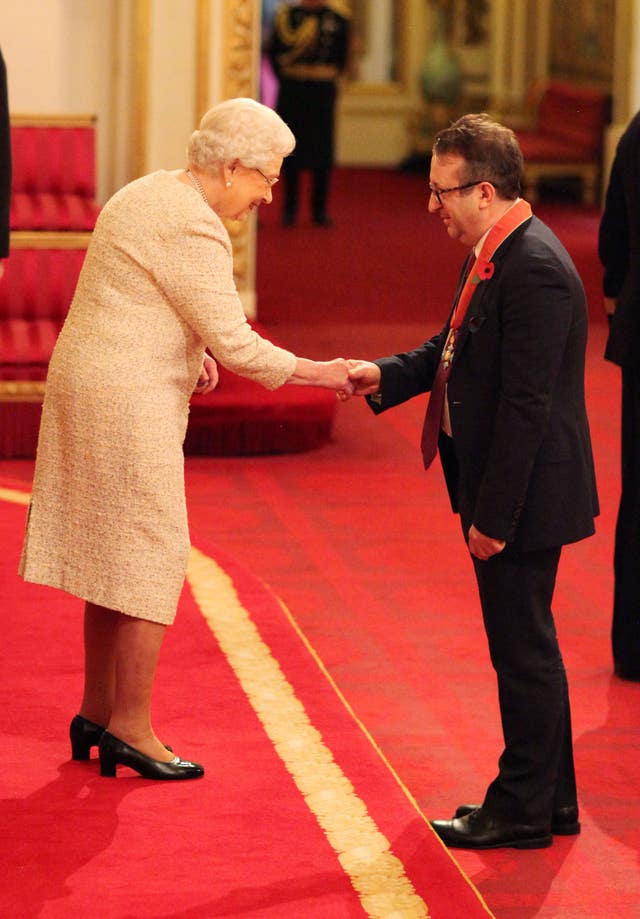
pixel 243 418
pixel 35 293
pixel 53 211
pixel 239 418
pixel 567 137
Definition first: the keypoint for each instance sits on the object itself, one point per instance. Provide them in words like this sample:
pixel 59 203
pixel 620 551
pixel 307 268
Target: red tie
pixel 514 217
pixel 433 418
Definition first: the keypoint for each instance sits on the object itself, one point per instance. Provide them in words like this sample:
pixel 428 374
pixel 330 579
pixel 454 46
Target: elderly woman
pixel 107 520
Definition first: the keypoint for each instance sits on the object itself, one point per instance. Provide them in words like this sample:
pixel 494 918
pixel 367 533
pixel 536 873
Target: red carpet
pixel 240 418
pixel 298 814
pixel 387 259
pixel 362 548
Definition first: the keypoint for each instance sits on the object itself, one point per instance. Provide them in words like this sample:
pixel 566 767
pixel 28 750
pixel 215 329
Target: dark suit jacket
pixel 619 248
pixel 519 465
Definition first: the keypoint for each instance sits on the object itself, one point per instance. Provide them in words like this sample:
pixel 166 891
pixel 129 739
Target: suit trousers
pixel 319 189
pixel 626 604
pixel 536 771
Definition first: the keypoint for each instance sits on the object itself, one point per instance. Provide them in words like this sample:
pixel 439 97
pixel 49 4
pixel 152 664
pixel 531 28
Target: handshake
pixel 345 378
pixel 349 377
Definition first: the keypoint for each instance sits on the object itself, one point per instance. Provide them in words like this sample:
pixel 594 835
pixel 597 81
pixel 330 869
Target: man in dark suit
pixel 619 243
pixel 514 442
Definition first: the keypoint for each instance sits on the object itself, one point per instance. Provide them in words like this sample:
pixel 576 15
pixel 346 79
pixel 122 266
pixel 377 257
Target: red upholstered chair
pixel 53 213
pixel 35 293
pixel 54 173
pixel 567 136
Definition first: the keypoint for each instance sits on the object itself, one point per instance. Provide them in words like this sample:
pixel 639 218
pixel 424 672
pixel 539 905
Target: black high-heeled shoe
pixel 115 752
pixel 83 735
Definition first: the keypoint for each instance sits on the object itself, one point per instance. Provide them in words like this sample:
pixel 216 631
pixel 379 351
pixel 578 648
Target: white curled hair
pixel 239 129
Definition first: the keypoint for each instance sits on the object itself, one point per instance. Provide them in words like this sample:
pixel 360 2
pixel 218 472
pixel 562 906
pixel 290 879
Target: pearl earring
pixel 228 184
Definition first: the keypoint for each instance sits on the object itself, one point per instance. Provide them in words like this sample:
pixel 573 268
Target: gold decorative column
pixel 242 31
pixel 240 78
pixel 218 49
pixel 141 34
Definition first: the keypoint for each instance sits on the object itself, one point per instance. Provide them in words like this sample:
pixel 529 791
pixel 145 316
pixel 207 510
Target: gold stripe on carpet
pixel 16 497
pixel 377 875
pixel 374 745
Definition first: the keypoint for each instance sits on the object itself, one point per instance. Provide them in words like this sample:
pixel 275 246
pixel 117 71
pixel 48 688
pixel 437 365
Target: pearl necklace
pixel 198 185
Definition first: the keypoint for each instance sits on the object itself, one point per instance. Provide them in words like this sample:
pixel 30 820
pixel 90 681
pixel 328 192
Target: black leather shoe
pixel 83 735
pixel 564 820
pixel 626 672
pixel 479 830
pixel 114 752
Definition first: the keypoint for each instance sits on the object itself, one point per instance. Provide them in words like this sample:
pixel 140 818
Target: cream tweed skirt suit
pixel 107 520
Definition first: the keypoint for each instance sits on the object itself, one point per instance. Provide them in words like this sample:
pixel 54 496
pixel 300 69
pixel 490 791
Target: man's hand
pixel 208 379
pixel 364 377
pixel 483 547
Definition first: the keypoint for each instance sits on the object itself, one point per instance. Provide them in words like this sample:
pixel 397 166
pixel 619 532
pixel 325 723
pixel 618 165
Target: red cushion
pixel 240 417
pixel 44 211
pixel 574 114
pixel 39 283
pixel 53 159
pixel 27 344
pixel 547 148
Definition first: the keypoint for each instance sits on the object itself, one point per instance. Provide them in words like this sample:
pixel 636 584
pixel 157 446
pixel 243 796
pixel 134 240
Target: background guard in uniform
pixel 308 52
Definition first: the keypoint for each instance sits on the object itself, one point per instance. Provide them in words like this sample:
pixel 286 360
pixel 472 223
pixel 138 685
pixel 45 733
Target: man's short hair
pixel 490 150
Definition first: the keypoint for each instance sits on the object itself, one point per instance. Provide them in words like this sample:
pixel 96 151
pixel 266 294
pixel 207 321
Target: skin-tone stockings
pixel 121 654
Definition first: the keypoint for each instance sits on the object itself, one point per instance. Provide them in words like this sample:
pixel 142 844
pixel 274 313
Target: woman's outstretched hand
pixel 327 374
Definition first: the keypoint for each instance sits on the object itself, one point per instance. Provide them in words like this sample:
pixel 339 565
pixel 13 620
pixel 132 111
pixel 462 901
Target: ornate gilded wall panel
pixel 242 25
pixel 203 58
pixel 583 41
pixel 139 112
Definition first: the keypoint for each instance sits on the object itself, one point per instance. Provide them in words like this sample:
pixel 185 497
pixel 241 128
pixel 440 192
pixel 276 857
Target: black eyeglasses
pixel 439 192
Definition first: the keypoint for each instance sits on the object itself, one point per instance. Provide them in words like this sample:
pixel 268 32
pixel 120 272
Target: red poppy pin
pixel 484 271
